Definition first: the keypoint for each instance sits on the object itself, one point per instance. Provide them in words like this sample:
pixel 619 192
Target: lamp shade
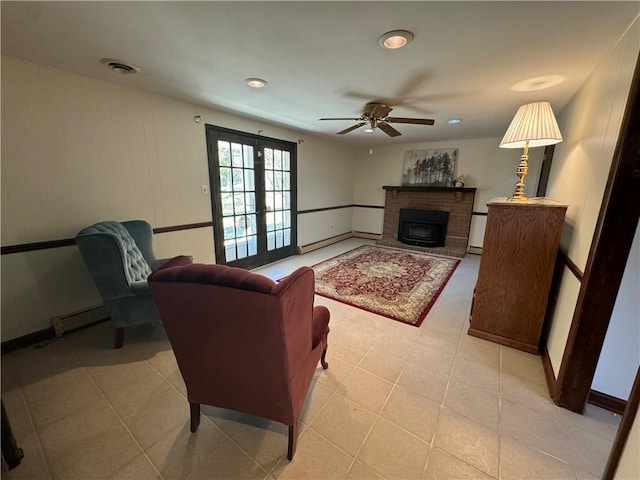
pixel 535 123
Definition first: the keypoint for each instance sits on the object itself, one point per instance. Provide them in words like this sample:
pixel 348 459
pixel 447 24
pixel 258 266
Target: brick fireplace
pixel 457 202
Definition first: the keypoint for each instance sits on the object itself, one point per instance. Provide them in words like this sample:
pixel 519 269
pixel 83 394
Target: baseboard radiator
pixel 81 318
pixel 323 243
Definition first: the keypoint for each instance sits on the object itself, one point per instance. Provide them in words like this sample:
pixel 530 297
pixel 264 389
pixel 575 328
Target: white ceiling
pixel 322 59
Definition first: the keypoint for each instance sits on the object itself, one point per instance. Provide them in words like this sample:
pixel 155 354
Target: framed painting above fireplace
pixel 433 168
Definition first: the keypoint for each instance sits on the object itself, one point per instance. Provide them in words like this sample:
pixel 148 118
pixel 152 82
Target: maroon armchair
pixel 242 341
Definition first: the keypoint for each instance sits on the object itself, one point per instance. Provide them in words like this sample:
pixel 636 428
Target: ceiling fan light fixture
pixel 368 130
pixel 255 82
pixel 395 39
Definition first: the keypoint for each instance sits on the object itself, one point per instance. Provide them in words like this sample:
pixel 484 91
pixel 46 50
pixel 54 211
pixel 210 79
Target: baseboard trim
pixel 608 402
pixel 40 336
pixel 552 382
pixel 324 243
pixel 27 340
pixel 474 250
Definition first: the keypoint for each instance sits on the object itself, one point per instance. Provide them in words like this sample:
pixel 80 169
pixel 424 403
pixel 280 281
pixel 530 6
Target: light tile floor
pixel 397 402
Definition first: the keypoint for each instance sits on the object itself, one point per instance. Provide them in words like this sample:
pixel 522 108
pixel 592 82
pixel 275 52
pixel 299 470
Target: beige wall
pixel 76 150
pixel 484 165
pixel 590 125
pixel 324 180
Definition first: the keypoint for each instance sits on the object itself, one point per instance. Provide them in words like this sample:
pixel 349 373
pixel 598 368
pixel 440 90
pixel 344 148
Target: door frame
pixel 216 205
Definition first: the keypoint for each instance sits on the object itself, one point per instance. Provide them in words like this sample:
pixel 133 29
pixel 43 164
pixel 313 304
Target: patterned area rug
pixel 398 284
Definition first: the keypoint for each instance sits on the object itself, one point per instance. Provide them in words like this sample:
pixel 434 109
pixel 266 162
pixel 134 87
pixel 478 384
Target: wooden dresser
pixel 518 256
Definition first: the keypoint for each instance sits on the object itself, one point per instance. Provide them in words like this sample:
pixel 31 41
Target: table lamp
pixel 534 125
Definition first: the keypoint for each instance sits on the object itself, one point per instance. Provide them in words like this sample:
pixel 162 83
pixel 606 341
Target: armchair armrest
pixel 179 261
pixel 158 262
pixel 291 281
pixel 140 288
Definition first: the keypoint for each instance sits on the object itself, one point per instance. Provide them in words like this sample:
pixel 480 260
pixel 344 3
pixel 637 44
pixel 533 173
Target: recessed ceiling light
pixel 255 82
pixel 538 83
pixel 120 66
pixel 454 121
pixel 395 39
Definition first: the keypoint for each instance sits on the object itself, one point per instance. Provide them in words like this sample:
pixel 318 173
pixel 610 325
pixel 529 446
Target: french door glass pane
pixel 269 201
pixel 250 202
pixel 242 248
pixel 238 180
pixel 224 154
pixel 253 245
pixel 227 204
pixel 248 156
pixel 249 181
pixel 229 228
pixel 236 155
pixel 230 250
pixel 225 179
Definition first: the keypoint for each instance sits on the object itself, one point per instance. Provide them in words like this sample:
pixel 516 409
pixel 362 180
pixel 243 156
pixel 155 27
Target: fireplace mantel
pixel 423 188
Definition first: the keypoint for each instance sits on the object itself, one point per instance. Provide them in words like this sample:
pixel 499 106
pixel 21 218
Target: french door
pixel 253 181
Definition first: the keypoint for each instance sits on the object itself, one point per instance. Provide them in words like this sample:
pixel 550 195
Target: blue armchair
pixel 120 257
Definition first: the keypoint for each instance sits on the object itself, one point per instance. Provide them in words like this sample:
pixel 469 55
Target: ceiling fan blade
pixel 415 108
pixel 351 118
pixel 417 121
pixel 347 130
pixel 388 129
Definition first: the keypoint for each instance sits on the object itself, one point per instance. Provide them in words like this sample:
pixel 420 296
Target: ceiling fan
pixel 376 116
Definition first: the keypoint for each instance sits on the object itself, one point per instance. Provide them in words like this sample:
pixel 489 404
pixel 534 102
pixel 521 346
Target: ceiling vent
pixel 120 66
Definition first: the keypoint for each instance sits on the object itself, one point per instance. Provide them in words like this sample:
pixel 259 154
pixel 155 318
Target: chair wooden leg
pixel 118 337
pixel 323 360
pixel 324 363
pixel 195 416
pixel 293 440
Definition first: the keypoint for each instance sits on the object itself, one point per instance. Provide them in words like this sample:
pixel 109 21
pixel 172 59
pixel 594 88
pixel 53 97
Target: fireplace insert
pixel 423 228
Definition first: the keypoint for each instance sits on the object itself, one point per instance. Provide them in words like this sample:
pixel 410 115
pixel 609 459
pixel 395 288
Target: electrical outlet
pixel 205 189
